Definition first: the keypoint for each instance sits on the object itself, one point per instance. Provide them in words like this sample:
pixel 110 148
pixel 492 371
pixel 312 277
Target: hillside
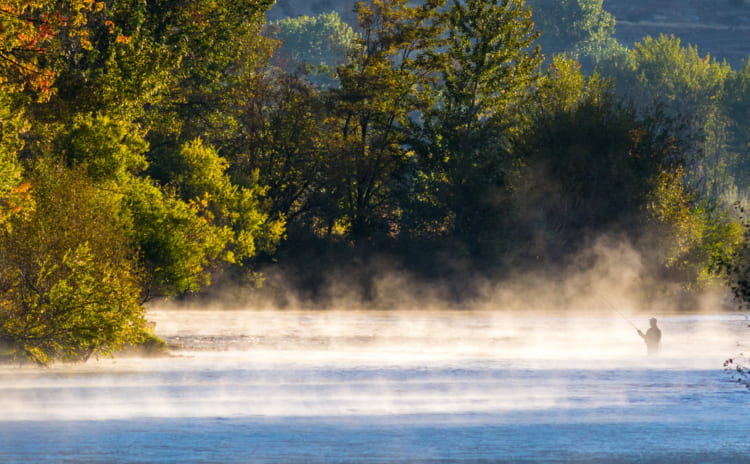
pixel 717 27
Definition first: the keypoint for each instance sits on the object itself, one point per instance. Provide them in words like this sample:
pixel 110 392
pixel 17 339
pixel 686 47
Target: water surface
pixel 383 387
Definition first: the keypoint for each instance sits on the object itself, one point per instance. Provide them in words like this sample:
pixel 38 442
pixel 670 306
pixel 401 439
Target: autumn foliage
pixel 164 148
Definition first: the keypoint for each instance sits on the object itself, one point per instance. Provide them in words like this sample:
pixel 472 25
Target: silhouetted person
pixel 652 337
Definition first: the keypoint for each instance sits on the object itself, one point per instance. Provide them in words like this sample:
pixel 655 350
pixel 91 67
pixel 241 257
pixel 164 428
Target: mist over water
pixel 451 365
pixel 556 374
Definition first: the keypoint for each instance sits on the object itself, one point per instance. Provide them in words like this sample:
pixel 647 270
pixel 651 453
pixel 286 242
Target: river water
pixel 387 387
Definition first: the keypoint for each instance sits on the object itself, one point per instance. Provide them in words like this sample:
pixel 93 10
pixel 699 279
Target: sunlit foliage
pixel 151 149
pixel 88 90
pixel 69 280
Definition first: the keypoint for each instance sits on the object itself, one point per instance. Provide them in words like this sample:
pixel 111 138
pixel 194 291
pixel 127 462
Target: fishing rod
pixel 619 313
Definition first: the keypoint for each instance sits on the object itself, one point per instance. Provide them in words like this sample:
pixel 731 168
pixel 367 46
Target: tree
pixel 112 93
pixel 69 284
pixel 238 211
pixel 661 72
pixel 380 88
pixel 30 32
pixel 488 69
pixel 586 164
pixel 173 66
pixel 13 190
pixel 736 103
pixel 109 151
pixel 569 25
pixel 695 234
pixel 283 146
pixel 217 49
pixel 182 231
pixel 593 165
pixel 579 28
pixel 175 243
pixel 315 44
pixel 179 247
pixel 118 113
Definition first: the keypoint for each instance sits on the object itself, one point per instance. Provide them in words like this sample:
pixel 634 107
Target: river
pixel 391 387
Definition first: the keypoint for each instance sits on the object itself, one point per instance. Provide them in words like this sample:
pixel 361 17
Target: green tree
pixel 130 76
pixel 115 92
pixel 174 66
pixel 30 35
pixel 176 244
pixel 488 69
pixel 238 211
pixel 381 86
pixel 568 25
pixel 593 165
pixel 219 49
pixel 284 146
pixel 736 268
pixel 184 231
pixel 317 44
pixel 661 72
pixel 587 160
pixel 696 235
pixel 69 285
pixel 179 246
pixel 108 150
pixel 736 103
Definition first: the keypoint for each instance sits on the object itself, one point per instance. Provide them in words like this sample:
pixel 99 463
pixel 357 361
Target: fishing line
pixel 618 313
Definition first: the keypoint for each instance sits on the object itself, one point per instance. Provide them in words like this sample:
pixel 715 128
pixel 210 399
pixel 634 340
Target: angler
pixel 652 337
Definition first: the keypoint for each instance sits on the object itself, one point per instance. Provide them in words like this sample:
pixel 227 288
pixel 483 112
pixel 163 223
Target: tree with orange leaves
pixel 28 32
